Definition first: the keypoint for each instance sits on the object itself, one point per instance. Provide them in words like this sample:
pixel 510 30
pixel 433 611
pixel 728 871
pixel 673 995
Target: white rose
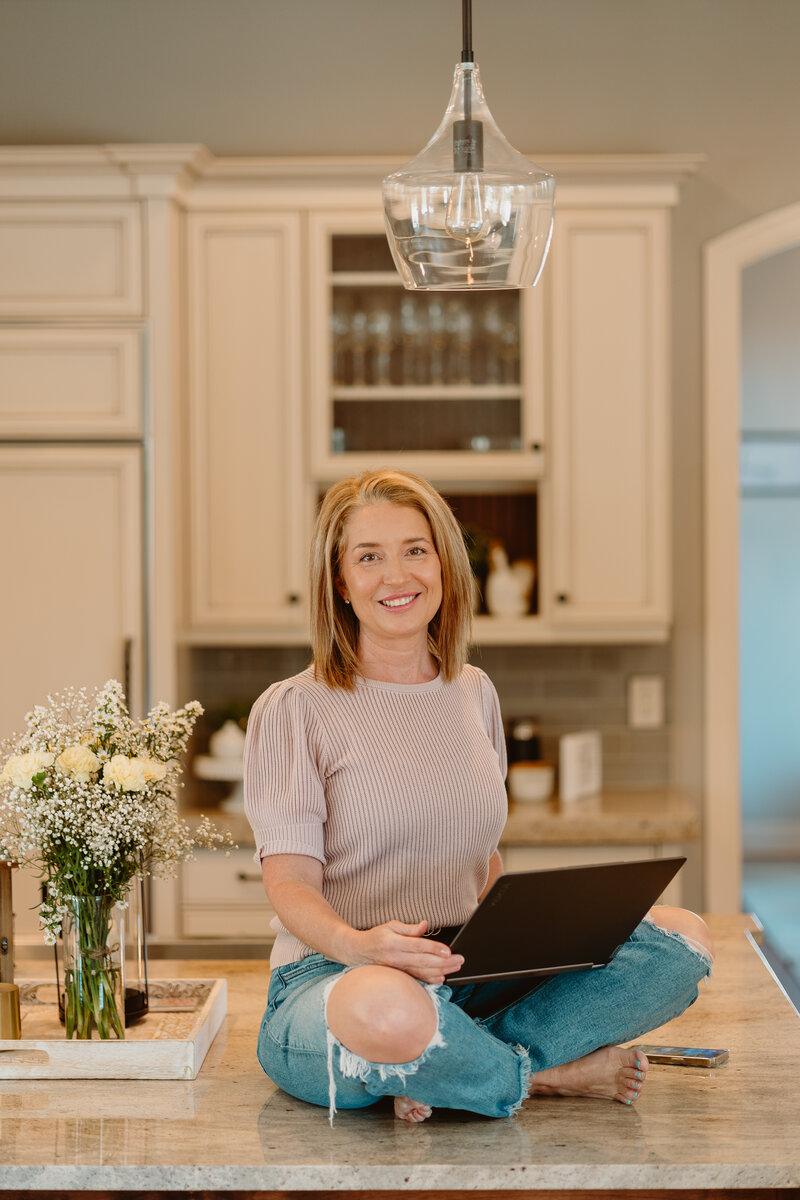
pixel 22 767
pixel 78 761
pixel 154 769
pixel 125 773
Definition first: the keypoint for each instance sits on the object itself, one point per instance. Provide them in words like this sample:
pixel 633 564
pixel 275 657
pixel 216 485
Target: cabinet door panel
pixel 247 531
pixel 544 858
pixel 62 259
pixel 610 447
pixel 70 382
pixel 71 524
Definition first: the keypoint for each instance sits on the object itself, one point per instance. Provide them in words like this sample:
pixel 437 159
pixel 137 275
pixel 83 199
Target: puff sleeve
pixel 284 794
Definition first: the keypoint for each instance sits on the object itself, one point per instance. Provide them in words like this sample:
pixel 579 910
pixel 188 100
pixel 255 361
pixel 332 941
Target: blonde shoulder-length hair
pixel 334 625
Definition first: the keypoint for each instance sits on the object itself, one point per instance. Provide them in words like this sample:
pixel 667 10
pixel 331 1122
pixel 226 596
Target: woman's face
pixel 390 571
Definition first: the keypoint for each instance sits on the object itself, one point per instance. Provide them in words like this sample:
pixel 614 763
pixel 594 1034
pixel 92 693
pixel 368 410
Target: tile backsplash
pixel 566 688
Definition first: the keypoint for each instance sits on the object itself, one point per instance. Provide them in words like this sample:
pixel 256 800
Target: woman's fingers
pixel 402 946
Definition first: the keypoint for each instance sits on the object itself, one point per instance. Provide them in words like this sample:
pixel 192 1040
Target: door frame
pixel 725 258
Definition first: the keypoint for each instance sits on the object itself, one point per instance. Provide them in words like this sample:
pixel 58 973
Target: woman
pixel 374 782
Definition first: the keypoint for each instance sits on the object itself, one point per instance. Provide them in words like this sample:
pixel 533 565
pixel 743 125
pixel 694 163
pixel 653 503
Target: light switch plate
pixel 580 764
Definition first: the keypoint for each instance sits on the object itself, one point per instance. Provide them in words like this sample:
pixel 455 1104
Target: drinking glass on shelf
pixel 359 344
pixel 380 328
pixel 459 342
pixel 509 349
pixel 437 330
pixel 412 337
pixel 340 331
pixel 492 331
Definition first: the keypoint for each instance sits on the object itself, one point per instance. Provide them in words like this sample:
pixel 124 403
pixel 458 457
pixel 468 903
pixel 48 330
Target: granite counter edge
pixel 432 1177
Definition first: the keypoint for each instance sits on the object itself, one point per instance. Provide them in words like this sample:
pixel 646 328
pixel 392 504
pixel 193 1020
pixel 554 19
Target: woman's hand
pixel 403 946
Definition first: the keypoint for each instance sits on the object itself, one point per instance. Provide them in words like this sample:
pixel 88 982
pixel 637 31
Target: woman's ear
pixel 341 589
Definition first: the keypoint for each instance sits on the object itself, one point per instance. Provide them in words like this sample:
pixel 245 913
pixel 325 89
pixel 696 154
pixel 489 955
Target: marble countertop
pixel 231 1129
pixel 621 816
pixel 624 817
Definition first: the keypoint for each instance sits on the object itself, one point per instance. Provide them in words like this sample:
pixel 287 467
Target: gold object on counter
pixel 10 1018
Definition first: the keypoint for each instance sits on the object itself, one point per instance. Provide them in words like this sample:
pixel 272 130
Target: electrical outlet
pixel 645 702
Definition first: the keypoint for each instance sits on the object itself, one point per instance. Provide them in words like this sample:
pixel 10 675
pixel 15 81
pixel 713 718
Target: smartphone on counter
pixel 684 1056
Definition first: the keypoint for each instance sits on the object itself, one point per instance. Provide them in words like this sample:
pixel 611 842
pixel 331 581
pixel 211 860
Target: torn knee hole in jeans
pixel 696 947
pixel 354 1066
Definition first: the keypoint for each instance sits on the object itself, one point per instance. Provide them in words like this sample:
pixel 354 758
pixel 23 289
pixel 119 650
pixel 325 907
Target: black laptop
pixel 546 922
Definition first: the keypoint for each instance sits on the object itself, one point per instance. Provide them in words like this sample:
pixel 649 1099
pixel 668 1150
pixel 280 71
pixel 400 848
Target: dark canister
pixel 523 740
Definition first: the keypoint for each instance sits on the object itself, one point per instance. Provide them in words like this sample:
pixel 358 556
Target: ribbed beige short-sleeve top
pixel 397 789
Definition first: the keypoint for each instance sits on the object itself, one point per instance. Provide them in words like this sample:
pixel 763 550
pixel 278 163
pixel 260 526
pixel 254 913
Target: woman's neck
pixel 392 663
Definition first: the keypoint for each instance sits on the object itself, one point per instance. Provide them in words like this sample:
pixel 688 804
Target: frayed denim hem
pixel 696 948
pixel 526 1076
pixel 353 1066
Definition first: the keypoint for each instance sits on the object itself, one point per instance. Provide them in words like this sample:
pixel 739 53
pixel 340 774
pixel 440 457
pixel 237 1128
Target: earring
pixel 347 601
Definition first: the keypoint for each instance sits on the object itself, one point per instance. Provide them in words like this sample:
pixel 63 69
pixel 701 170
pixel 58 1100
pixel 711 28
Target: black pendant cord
pixel 466 25
pixel 466 52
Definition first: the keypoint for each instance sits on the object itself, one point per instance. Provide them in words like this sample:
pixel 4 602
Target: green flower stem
pixel 91 980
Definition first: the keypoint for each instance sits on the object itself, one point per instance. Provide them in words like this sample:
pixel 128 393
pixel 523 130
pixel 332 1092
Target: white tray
pixel 171 1042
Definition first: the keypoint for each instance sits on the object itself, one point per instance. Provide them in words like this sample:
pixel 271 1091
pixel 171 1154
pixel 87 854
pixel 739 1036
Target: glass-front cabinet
pixel 447 384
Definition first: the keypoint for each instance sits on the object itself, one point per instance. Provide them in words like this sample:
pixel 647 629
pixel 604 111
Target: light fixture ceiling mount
pixel 469 212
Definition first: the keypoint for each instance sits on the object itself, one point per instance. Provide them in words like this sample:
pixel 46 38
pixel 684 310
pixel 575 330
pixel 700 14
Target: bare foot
pixel 410 1110
pixel 611 1073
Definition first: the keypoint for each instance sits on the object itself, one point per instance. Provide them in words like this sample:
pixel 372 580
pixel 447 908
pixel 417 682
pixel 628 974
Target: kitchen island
pixel 733 1129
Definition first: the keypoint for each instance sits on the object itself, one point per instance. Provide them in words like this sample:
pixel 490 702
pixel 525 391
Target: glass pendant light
pixel 469 212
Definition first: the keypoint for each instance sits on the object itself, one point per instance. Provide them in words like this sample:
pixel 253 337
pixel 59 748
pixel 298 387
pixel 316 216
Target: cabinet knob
pixel 293 598
pixel 536 446
pixel 562 598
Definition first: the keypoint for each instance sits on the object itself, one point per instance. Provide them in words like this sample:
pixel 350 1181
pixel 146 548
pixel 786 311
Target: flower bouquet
pixel 88 797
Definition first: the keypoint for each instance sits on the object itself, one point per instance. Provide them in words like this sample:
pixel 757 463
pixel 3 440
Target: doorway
pixel 752 447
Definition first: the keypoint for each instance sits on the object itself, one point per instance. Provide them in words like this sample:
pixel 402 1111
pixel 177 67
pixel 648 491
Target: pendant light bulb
pixel 469 212
pixel 465 220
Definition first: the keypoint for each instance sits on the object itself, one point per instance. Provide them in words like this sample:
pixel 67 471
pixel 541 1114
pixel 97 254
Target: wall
pixel 357 77
pixel 566 688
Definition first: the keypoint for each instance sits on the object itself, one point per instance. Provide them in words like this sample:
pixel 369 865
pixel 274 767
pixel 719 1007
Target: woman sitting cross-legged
pixel 374 783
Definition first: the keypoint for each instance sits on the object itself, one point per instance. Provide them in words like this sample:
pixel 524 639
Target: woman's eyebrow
pixel 405 542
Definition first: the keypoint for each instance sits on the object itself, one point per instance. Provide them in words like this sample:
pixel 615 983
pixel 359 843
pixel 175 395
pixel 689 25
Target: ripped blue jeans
pixel 490 1039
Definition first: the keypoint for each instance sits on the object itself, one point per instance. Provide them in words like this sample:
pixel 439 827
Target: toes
pixel 631 1075
pixel 410 1110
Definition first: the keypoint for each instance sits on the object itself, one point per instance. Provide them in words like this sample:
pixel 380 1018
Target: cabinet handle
pixel 247 877
pixel 562 598
pixel 127 659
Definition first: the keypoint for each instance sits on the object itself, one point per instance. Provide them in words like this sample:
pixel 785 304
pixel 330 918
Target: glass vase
pixel 101 964
pixel 90 983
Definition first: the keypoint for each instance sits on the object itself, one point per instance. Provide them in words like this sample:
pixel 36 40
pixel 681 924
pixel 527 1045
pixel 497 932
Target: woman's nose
pixel 394 569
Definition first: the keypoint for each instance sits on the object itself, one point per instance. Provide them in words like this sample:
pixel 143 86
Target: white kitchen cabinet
pixel 608 499
pixel 543 858
pixel 79 382
pixel 70 258
pixel 223 896
pixel 247 498
pixel 71 523
pixel 450 386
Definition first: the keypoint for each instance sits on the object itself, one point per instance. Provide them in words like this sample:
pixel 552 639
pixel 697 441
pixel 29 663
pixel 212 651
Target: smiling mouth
pixel 399 601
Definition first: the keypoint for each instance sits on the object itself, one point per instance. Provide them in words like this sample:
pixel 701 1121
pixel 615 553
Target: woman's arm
pixel 293 883
pixel 495 871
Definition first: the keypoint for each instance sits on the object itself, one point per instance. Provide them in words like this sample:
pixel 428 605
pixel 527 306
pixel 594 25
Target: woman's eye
pixel 417 550
pixel 369 557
